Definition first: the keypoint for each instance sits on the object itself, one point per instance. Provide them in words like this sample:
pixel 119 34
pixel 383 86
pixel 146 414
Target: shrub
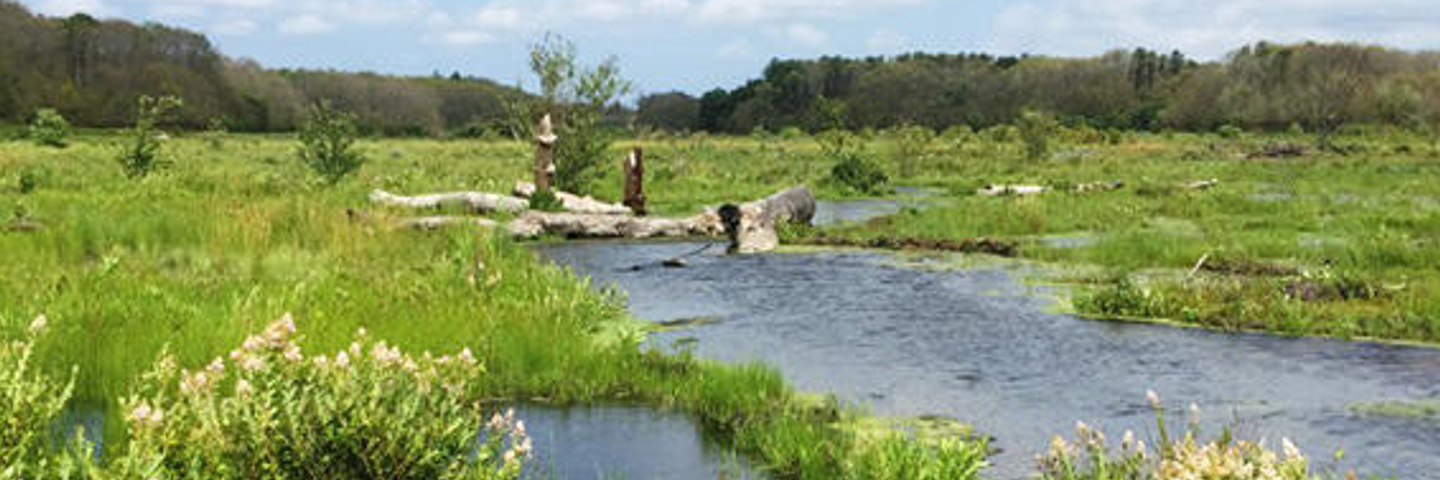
pixel 898 457
pixel 141 152
pixel 370 411
pixel 1035 130
pixel 853 170
pixel 1091 457
pixel 1229 132
pixel 48 128
pixel 912 147
pixel 546 201
pixel 31 405
pixel 327 143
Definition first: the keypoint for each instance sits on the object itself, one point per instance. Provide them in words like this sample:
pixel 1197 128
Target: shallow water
pixel 979 346
pixel 633 443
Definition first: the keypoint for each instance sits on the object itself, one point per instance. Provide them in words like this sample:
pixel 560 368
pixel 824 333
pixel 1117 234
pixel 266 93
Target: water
pixel 633 443
pixel 979 346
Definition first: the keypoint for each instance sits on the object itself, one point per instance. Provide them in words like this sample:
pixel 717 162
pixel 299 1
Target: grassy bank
pixel 1328 243
pixel 235 233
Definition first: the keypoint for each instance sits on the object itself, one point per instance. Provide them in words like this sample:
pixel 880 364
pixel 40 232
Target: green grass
pixel 235 234
pixel 1367 219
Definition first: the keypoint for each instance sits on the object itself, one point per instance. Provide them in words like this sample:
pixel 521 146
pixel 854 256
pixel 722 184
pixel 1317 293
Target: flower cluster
pixel 1189 458
pixel 270 411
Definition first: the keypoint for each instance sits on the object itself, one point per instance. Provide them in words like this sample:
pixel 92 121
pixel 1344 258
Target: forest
pixel 91 70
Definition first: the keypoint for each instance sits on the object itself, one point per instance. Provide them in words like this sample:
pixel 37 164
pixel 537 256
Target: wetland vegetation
pixel 178 273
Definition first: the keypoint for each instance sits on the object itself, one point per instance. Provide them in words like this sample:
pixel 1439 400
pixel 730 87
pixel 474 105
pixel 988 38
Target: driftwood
pixel 436 222
pixel 476 202
pixel 1099 186
pixel 635 181
pixel 751 227
pixel 574 203
pixel 579 225
pixel 545 153
pixel 1012 190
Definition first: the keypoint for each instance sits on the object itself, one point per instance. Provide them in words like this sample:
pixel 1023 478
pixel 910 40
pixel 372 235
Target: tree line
pixel 91 71
pixel 1315 86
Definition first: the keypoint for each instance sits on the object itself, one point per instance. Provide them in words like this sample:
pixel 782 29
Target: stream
pixel 979 345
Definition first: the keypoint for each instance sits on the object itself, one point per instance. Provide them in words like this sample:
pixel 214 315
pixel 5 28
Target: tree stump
pixel 545 139
pixel 635 181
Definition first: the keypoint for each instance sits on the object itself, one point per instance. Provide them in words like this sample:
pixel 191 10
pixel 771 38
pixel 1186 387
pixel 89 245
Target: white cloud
pixel 806 35
pixel 499 16
pixel 1211 29
pixel 235 27
pixel 751 10
pixel 465 38
pixel 307 24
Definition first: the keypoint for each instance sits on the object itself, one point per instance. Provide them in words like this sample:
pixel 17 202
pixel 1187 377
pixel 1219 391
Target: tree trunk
pixel 544 154
pixel 751 227
pixel 635 181
pixel 574 203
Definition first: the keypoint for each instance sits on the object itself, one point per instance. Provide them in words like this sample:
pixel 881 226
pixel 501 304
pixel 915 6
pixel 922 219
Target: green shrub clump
pixel 1036 129
pixel 140 155
pixel 327 141
pixel 48 128
pixel 853 170
pixel 271 411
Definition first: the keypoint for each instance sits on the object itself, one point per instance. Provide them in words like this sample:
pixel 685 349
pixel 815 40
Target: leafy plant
pixel 577 98
pixel 140 155
pixel 1036 130
pixel 853 170
pixel 912 147
pixel 271 411
pixel 546 201
pixel 48 128
pixel 31 404
pixel 327 141
pixel 1091 457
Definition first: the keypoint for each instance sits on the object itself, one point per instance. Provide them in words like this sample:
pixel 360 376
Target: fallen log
pixel 581 225
pixel 437 222
pixel 751 227
pixel 475 202
pixel 1202 184
pixel 574 203
pixel 1012 190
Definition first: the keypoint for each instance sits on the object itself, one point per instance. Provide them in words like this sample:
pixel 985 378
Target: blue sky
pixel 694 45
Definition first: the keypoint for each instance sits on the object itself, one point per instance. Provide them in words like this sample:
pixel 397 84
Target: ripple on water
pixel 976 346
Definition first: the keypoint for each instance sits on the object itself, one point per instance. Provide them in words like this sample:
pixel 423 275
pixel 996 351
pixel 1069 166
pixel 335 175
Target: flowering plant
pixel 271 411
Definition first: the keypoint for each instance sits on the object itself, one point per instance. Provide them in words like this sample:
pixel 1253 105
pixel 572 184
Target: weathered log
pixel 751 227
pixel 635 181
pixel 1099 186
pixel 574 203
pixel 1012 190
pixel 578 225
pixel 440 221
pixel 477 202
pixel 544 153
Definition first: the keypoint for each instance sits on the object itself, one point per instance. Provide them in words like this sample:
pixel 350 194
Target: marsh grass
pixel 192 259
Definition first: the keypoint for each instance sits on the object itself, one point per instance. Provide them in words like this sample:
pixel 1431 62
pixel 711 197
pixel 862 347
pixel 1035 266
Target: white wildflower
pixel 39 324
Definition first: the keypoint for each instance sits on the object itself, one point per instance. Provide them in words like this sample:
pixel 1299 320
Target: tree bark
pixel 476 202
pixel 544 154
pixel 635 181
pixel 574 203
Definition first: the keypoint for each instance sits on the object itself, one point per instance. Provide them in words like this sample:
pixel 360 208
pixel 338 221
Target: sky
pixel 697 45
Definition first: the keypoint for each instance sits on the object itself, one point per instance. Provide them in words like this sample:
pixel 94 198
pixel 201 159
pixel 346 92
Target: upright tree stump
pixel 635 181
pixel 545 139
